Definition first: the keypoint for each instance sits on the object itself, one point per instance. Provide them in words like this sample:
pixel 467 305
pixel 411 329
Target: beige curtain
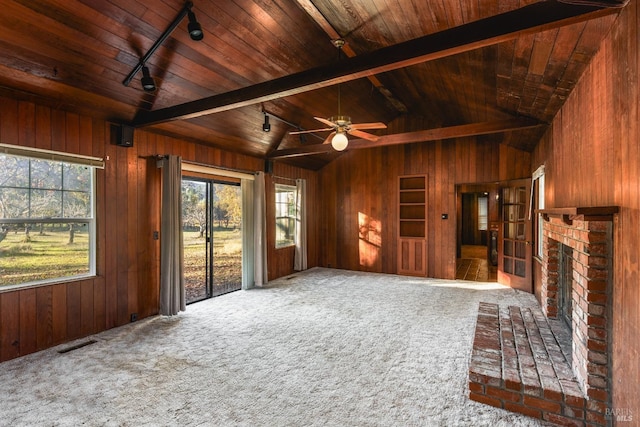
pixel 248 222
pixel 300 253
pixel 172 293
pixel 260 231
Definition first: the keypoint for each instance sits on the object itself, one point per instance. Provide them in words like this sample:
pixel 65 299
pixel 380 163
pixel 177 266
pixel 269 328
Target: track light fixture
pixel 147 81
pixel 195 32
pixel 266 126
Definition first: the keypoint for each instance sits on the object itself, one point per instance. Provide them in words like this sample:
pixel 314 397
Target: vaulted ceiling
pixel 429 70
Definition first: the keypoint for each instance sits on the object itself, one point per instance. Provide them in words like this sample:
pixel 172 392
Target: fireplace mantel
pixel 593 213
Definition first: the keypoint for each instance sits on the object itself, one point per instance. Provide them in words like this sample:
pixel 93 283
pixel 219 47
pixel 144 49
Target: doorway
pixel 212 237
pixel 477 223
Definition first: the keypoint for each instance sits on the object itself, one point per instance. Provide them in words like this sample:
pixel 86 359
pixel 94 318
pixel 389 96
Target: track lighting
pixel 266 126
pixel 147 81
pixel 195 30
pixel 339 141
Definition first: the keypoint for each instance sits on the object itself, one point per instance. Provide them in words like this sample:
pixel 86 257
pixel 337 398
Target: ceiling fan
pixel 341 125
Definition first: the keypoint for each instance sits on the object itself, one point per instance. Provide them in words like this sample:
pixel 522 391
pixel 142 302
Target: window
pixel 538 176
pixel 483 212
pixel 285 215
pixel 47 224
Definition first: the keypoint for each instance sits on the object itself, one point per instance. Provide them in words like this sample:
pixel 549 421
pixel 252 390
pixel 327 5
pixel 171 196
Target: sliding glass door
pixel 212 225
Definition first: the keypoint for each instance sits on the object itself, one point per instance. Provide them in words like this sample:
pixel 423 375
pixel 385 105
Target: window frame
pixel 539 187
pixel 90 220
pixel 281 244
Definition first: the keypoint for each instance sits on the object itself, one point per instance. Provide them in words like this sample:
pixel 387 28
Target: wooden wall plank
pixel 74 310
pixel 59 313
pixel 44 319
pixel 9 325
pixel 28 321
pixel 87 319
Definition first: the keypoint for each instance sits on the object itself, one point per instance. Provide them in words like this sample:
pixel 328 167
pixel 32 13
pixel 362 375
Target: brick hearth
pixel 517 365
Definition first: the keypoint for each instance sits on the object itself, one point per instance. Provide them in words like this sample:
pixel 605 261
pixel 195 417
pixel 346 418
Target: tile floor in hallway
pixel 473 265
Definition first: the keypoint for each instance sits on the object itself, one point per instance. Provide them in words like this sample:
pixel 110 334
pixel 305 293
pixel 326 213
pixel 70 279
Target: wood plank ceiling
pixel 75 54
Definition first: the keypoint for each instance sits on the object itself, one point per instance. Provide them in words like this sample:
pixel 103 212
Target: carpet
pixel 320 348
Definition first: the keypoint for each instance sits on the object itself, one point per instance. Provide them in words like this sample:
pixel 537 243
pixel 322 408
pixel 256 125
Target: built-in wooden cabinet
pixel 412 225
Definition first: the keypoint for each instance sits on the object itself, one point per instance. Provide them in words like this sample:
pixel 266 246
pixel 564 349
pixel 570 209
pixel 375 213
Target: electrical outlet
pixel 134 317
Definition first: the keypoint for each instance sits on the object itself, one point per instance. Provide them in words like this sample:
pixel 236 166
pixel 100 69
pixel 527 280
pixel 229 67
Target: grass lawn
pixel 49 256
pixel 43 256
pixel 227 261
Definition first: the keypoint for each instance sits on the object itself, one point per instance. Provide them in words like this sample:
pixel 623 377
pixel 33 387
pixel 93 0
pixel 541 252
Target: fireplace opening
pixel 565 285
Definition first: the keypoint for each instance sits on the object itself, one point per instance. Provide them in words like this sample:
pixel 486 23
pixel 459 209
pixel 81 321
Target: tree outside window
pixel 285 215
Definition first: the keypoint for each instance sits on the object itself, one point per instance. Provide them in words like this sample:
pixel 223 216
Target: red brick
pixel 596 345
pixel 485 399
pixel 598 394
pixel 476 387
pixel 513 385
pixel 562 421
pixel 597 333
pixel 574 412
pixel 575 401
pixel 595 406
pixel 503 394
pixel 552 395
pixel 596 417
pixel 596 321
pixel 545 405
pixel 597 298
pixel 596 357
pixel 530 412
pixel 595 369
pixel 597 285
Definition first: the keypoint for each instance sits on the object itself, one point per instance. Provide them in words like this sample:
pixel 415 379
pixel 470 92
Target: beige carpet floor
pixel 320 348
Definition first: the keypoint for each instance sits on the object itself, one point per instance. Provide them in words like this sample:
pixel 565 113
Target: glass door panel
pixel 227 238
pixel 515 254
pixel 195 218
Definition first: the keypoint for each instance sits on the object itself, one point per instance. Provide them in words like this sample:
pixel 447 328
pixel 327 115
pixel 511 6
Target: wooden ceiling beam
pixel 473 129
pixel 530 19
pixel 318 17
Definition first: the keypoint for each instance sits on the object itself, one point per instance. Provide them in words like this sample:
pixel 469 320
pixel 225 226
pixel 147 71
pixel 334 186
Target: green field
pixel 42 256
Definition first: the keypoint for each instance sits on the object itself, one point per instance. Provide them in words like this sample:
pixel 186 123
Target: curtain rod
pixel 283 177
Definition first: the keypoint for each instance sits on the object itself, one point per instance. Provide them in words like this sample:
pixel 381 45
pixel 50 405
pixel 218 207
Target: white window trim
pixel 94 163
pixel 291 188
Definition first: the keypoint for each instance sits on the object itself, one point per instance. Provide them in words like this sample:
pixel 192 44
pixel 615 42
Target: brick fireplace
pixel 577 288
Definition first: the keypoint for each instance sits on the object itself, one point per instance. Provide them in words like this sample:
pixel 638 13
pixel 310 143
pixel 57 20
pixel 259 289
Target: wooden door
pixel 514 244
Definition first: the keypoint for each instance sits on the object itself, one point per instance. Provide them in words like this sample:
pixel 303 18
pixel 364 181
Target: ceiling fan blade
pixel 326 122
pixel 363 135
pixel 377 125
pixel 298 132
pixel 328 140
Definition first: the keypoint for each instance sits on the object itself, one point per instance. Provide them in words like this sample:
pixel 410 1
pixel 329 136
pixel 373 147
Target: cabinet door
pixel 412 257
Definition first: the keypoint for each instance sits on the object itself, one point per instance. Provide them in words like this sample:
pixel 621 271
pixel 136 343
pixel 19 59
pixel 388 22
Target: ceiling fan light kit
pixel 339 141
pixel 341 125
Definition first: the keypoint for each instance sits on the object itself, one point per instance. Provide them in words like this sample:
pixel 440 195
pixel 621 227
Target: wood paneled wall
pixel 592 158
pixel 128 211
pixel 280 261
pixel 360 197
